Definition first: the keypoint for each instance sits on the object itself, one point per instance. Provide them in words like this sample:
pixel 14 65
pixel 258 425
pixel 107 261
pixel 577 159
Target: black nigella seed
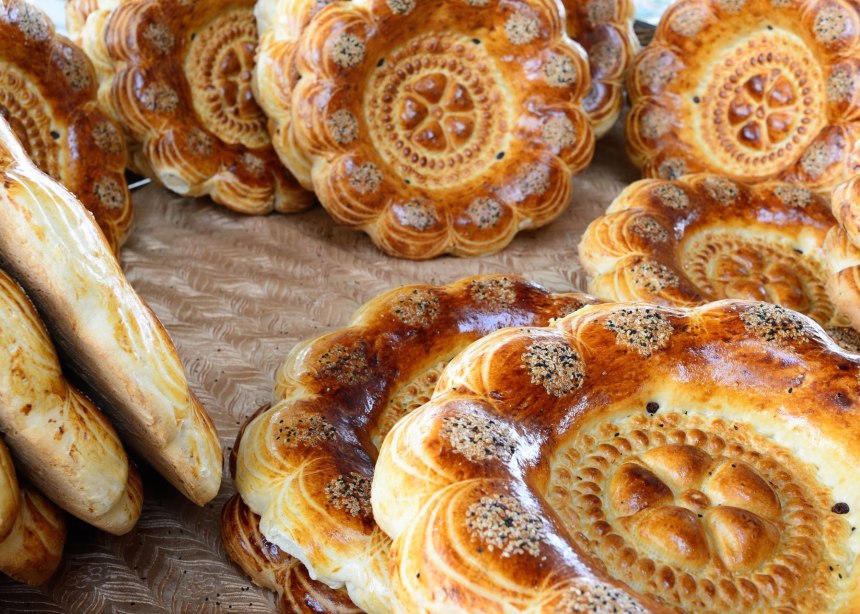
pixel 696 99
pixel 380 62
pixel 840 508
pixel 55 135
pixel 500 155
pixel 652 407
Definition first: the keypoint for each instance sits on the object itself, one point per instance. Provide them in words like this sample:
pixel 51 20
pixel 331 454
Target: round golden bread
pixel 177 75
pixel 62 442
pixel 602 27
pixel 659 459
pixel 706 237
pixel 48 94
pixel 305 465
pixel 751 89
pixel 435 127
pixel 52 247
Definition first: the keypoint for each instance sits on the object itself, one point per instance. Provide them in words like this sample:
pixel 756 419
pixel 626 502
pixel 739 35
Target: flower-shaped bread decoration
pixel 705 237
pixel 304 466
pixel 751 89
pixel 178 77
pixel 842 250
pixel 658 458
pixel 441 126
pixel 48 94
pixel 602 27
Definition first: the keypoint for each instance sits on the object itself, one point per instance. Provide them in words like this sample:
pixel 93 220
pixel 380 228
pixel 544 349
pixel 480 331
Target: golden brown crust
pixel 177 76
pixel 64 445
pixel 699 460
pixel 705 237
pixel 32 552
pixel 604 28
pixel 270 567
pixel 305 464
pixel 415 129
pixel 9 493
pixel 48 93
pixel 752 89
pixel 52 247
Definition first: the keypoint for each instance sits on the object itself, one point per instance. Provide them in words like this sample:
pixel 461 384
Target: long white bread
pixel 63 443
pixel 34 547
pixel 51 245
pixel 9 496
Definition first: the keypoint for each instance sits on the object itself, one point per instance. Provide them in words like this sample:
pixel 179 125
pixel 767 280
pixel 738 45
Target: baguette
pixel 50 244
pixel 64 444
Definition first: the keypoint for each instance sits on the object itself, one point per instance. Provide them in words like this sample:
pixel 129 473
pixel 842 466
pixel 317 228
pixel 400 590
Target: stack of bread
pixel 672 450
pixel 683 439
pixel 53 253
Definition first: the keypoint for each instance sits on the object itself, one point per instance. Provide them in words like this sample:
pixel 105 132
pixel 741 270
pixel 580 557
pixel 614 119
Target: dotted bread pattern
pixel 427 141
pixel 689 477
pixel 48 95
pixel 179 80
pixel 306 461
pixel 756 90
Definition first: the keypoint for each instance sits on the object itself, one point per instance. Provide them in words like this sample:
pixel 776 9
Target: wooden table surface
pixel 236 293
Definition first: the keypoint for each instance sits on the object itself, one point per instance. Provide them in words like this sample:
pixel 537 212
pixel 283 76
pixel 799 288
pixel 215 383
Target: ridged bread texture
pixel 646 458
pixel 304 466
pixel 52 247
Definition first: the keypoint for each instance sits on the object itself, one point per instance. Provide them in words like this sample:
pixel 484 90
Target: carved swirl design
pixel 705 511
pixel 28 113
pixel 434 109
pixel 729 265
pixel 219 63
pixel 764 105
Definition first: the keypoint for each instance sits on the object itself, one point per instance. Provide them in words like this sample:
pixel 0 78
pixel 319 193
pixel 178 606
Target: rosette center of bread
pixel 219 63
pixel 761 102
pixel 727 264
pixel 435 111
pixel 692 506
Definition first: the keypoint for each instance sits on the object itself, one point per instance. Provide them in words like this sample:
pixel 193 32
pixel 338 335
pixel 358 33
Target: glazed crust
pixel 10 497
pixel 305 464
pixel 843 280
pixel 604 28
pixel 51 246
pixel 177 77
pixel 63 443
pixel 434 127
pixel 33 549
pixel 752 89
pixel 705 237
pixel 48 93
pixel 694 460
pixel 270 567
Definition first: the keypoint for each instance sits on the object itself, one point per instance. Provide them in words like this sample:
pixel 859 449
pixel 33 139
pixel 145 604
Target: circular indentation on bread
pixel 728 264
pixel 218 65
pixel 701 511
pixel 435 112
pixel 763 105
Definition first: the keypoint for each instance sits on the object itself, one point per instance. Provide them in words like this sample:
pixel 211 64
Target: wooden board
pixel 236 293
